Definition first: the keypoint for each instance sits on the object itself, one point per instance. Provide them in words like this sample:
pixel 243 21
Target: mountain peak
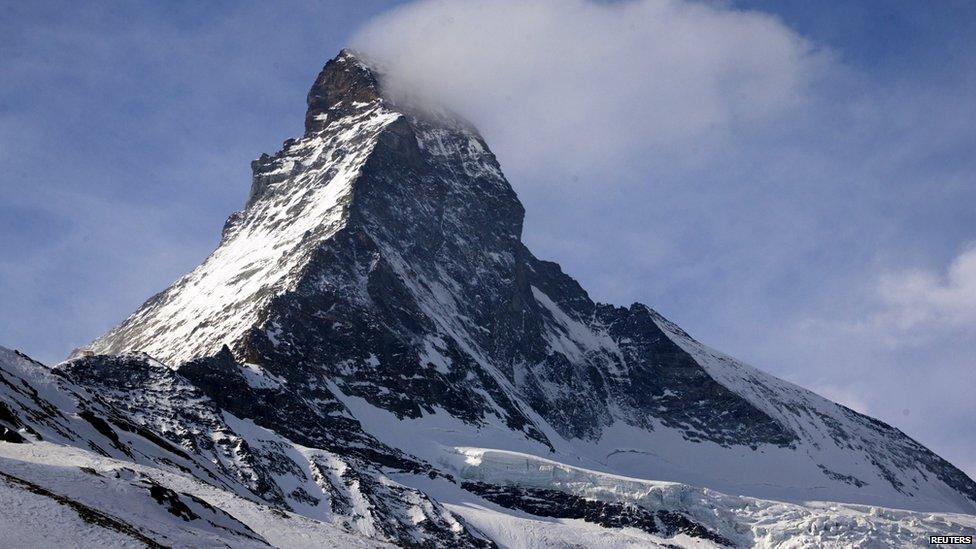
pixel 345 83
pixel 378 271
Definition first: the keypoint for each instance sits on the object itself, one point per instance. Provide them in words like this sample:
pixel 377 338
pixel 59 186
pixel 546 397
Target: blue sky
pixel 793 182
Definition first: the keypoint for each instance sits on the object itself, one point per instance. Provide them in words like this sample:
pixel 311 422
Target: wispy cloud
pixel 924 301
pixel 581 85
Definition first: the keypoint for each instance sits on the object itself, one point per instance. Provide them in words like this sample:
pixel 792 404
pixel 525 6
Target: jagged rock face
pixel 379 261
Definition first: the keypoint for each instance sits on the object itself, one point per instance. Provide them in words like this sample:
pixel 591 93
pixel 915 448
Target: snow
pixel 748 521
pixel 258 378
pixel 432 353
pixel 41 521
pixel 121 494
pixel 258 257
pixel 58 468
pixel 519 530
pixel 817 419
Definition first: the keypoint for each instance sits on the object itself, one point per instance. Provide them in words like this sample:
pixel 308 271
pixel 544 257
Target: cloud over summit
pixel 587 84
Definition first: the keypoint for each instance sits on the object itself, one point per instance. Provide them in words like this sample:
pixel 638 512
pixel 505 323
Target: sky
pixel 792 182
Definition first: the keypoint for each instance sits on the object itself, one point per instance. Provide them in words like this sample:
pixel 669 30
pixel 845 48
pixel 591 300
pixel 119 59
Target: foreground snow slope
pixel 94 501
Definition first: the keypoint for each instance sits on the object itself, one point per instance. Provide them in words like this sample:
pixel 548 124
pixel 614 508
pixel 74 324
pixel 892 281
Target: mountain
pixel 373 351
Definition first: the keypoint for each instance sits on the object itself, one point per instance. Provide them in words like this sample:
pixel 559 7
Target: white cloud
pixel 931 301
pixel 576 86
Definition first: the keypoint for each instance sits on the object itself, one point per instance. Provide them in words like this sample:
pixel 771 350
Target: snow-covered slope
pixel 373 309
pixel 78 505
pixel 133 410
pixel 261 253
pixel 262 490
pixel 62 496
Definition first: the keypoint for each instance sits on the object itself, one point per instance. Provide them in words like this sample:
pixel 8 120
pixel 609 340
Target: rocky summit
pixel 372 356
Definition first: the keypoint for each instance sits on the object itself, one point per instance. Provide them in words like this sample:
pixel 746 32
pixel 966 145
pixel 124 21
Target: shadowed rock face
pixel 379 257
